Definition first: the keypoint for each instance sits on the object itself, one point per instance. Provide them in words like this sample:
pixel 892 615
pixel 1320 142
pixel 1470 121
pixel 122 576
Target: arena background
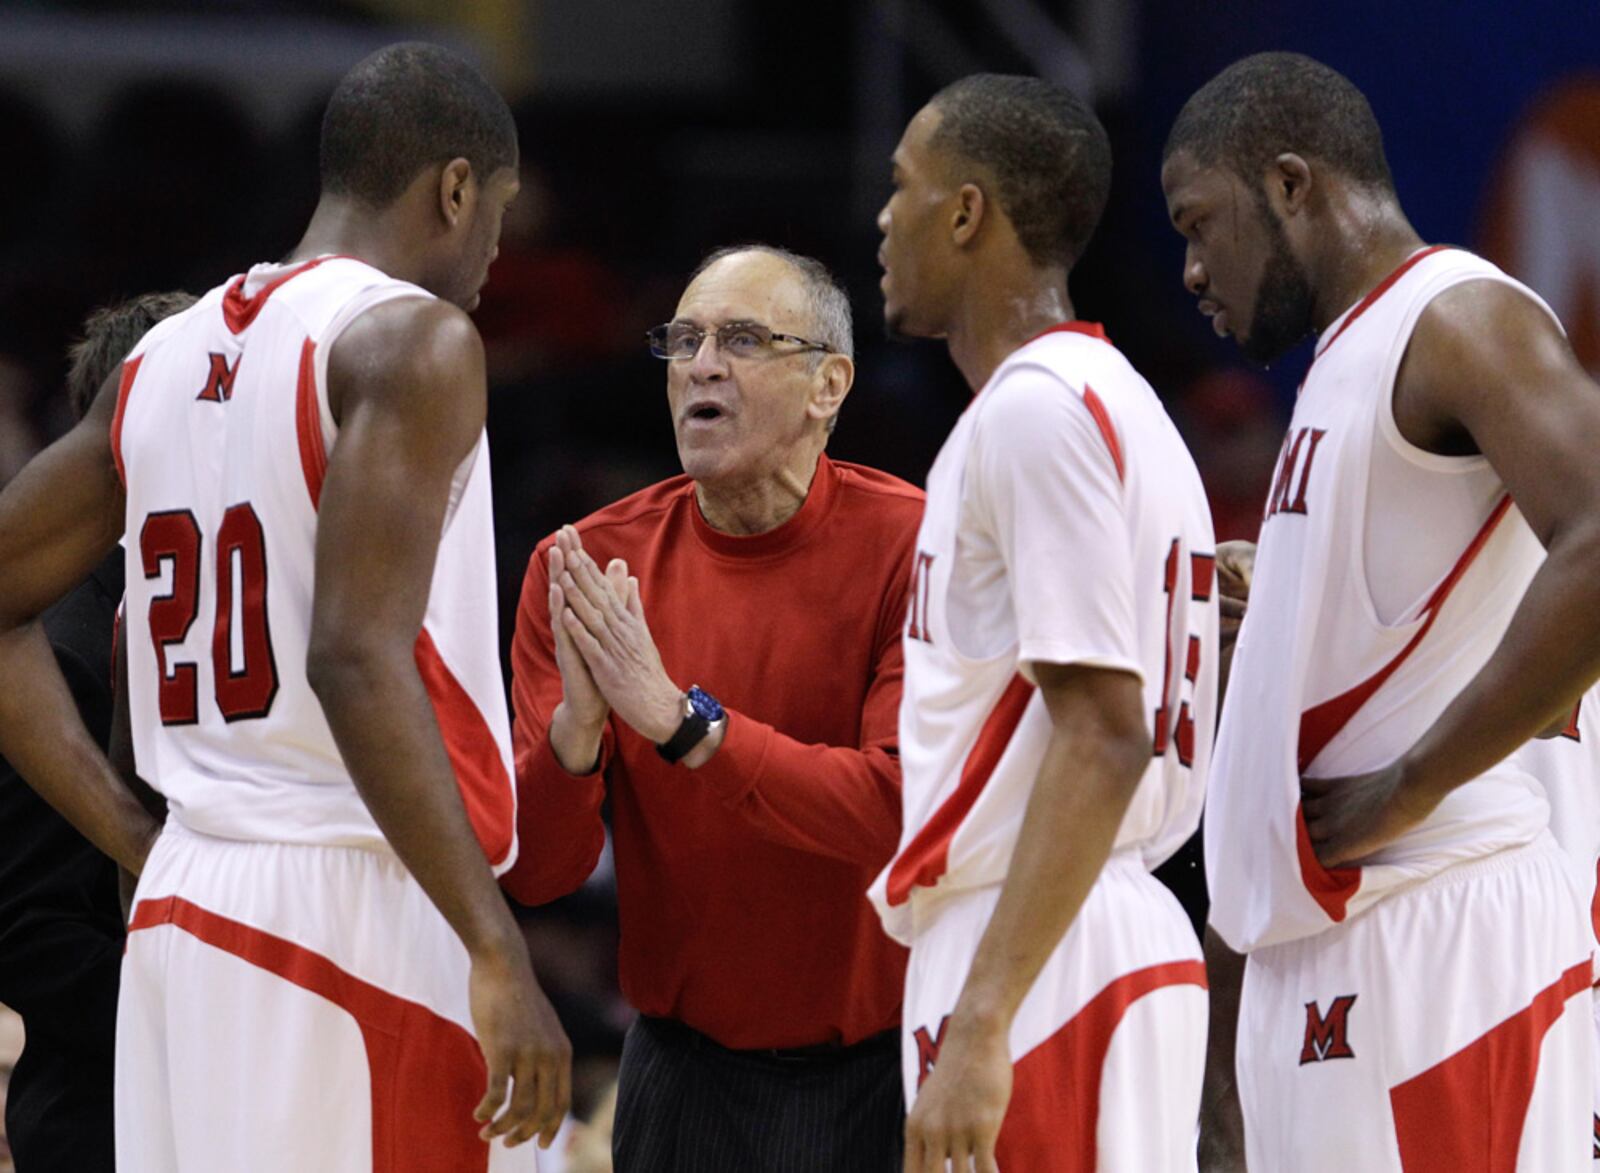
pixel 169 145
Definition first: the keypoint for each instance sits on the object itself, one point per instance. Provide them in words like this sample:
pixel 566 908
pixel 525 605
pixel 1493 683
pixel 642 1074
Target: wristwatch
pixel 700 712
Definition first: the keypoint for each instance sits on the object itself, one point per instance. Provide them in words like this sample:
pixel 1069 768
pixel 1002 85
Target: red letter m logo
pixel 1327 1036
pixel 928 1049
pixel 219 380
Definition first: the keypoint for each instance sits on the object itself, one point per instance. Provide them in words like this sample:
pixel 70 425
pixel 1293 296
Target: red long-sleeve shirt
pixel 741 884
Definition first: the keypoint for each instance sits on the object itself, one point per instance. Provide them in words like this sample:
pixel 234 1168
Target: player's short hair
pixel 1271 103
pixel 829 303
pixel 109 333
pixel 1048 154
pixel 405 108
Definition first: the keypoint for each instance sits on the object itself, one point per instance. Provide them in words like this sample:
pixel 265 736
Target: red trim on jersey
pixel 1333 888
pixel 1092 329
pixel 308 424
pixel 926 857
pixel 1594 904
pixel 1102 419
pixel 116 641
pixel 1378 291
pixel 239 310
pixel 130 371
pixel 427 1073
pixel 475 755
pixel 1051 1123
pixel 1321 723
pixel 1466 1113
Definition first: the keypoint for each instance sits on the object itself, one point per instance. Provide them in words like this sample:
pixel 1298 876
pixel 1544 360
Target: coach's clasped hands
pixel 604 649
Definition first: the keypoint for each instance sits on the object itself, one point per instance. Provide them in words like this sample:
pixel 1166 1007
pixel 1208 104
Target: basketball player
pixel 61 927
pixel 1055 1012
pixel 1416 947
pixel 318 950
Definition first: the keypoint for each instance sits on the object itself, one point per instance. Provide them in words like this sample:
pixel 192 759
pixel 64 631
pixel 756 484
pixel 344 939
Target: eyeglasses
pixel 680 340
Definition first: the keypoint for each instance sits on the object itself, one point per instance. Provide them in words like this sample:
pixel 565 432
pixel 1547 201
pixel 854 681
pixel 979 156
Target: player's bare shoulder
pixel 1475 349
pixel 420 353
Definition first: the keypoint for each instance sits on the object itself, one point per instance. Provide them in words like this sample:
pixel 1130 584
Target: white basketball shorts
pixel 1449 1027
pixel 294 1007
pixel 1109 1044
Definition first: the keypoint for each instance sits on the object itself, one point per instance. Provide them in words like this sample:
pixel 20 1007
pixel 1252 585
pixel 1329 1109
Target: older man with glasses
pixel 720 654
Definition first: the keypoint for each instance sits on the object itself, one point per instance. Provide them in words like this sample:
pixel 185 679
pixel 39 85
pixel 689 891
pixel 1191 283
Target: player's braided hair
pixel 1273 103
pixel 405 108
pixel 108 334
pixel 1047 153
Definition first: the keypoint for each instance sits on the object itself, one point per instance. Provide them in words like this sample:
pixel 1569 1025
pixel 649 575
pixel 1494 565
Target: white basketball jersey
pixel 1322 684
pixel 1568 766
pixel 222 434
pixel 1065 523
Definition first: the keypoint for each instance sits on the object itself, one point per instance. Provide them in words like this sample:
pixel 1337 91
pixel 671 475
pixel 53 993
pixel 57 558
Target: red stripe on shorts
pixel 427 1072
pixel 925 858
pixel 1465 1114
pixel 474 753
pixel 1051 1124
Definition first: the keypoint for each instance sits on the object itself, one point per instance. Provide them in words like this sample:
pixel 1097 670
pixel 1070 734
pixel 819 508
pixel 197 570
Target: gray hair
pixel 830 305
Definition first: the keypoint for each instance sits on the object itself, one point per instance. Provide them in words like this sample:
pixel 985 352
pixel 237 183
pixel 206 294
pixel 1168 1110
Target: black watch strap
pixel 690 733
pixel 700 712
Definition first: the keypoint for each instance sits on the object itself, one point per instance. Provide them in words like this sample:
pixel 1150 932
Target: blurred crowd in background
pixel 169 145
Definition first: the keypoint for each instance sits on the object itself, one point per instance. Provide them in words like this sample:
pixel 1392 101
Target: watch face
pixel 704 704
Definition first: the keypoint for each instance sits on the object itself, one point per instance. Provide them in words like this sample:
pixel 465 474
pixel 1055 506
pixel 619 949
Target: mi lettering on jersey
pixel 1065 523
pixel 1384 579
pixel 222 435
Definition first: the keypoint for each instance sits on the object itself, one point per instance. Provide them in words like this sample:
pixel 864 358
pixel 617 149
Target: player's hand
pixel 1350 818
pixel 960 1108
pixel 585 704
pixel 523 1045
pixel 1236 564
pixel 605 620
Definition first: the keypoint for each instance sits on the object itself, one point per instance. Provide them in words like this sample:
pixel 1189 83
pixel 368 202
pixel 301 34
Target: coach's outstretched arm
pixel 406 383
pixel 59 518
pixel 1487 370
pixel 1098 751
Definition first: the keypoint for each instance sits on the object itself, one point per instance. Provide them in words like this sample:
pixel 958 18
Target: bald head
pixel 826 305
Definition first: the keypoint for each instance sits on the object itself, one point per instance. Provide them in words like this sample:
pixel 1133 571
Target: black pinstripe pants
pixel 687 1105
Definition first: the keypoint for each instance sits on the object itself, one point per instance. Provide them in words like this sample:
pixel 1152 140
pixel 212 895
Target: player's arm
pixel 1488 370
pixel 119 750
pixel 406 382
pixel 1098 750
pixel 1221 1116
pixel 59 517
pixel 1050 495
pixel 559 826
